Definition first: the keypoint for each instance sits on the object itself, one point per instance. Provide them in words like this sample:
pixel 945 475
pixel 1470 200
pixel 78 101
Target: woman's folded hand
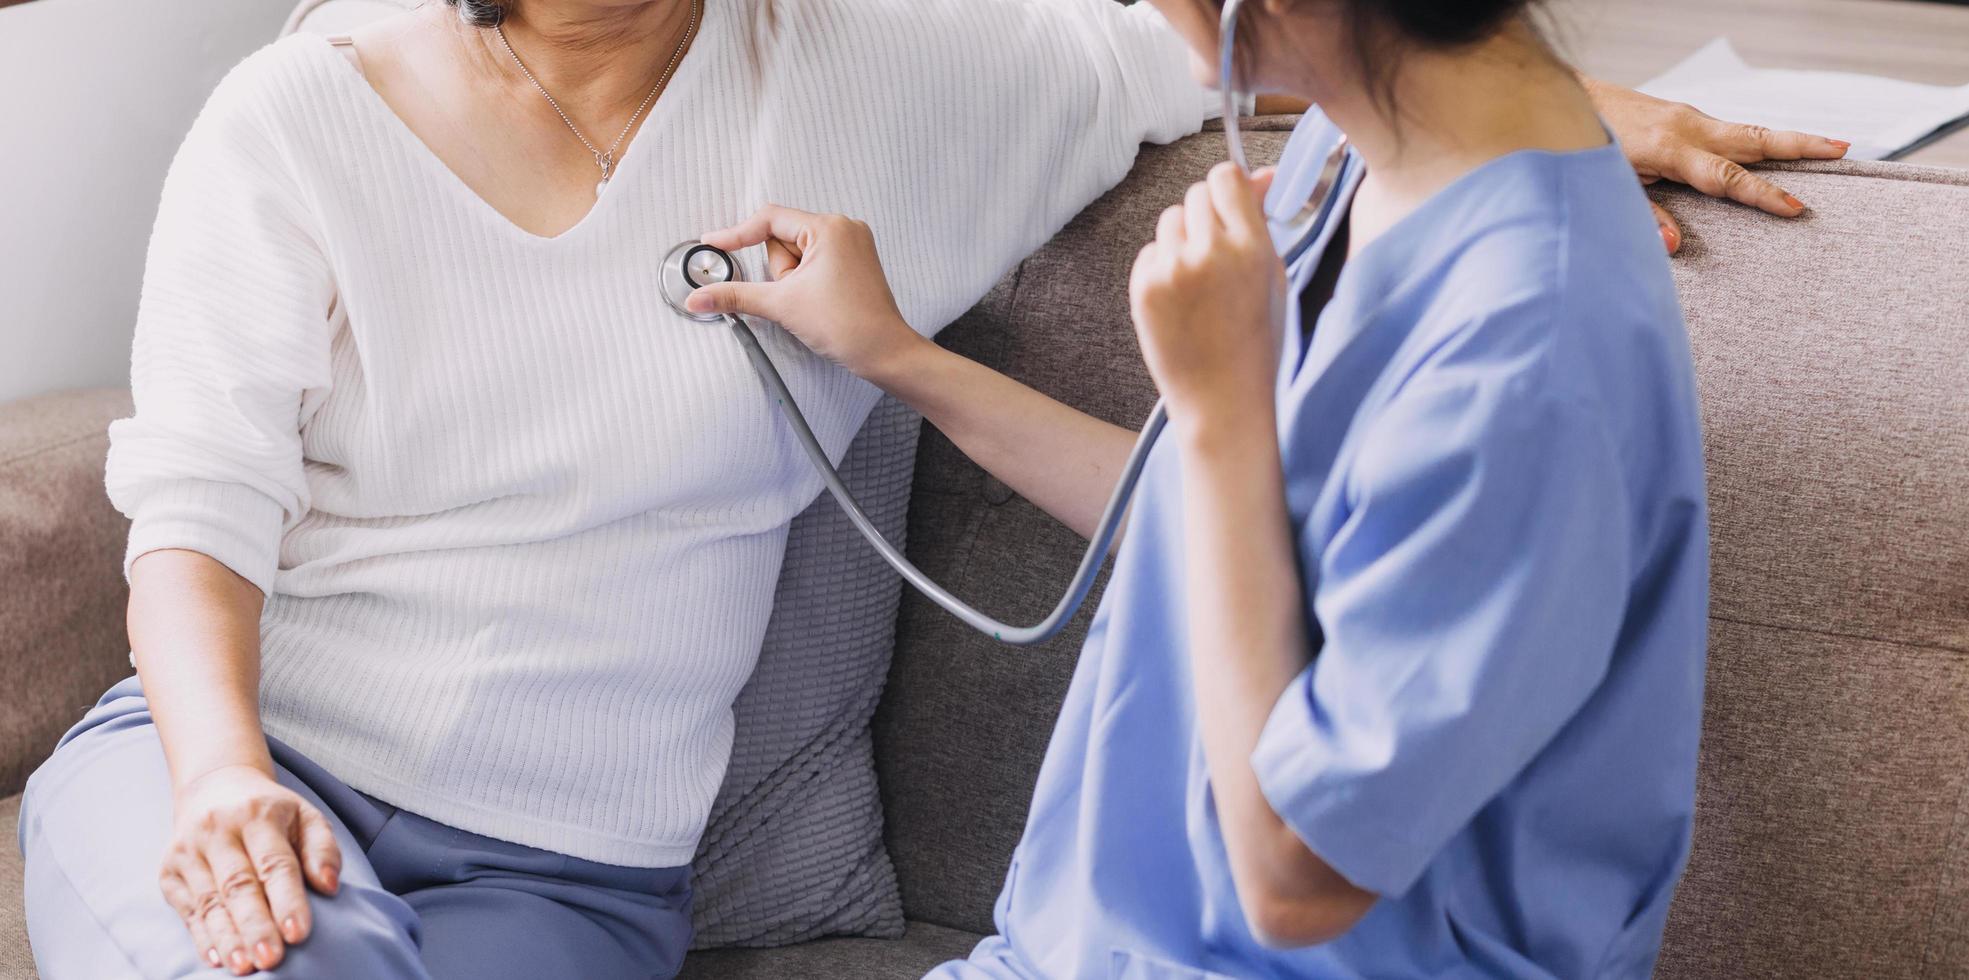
pixel 827 287
pixel 244 852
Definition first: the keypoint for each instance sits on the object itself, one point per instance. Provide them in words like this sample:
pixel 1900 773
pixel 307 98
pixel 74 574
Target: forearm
pixel 1063 460
pixel 195 635
pixel 1247 631
pixel 1249 641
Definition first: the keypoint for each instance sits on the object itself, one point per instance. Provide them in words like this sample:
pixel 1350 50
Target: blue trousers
pixel 418 899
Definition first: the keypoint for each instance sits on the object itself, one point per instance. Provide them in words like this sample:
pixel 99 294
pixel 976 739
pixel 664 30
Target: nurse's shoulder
pixel 1540 304
pixel 1557 270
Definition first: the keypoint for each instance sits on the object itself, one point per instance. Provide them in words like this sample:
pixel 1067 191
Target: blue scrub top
pixel 1494 472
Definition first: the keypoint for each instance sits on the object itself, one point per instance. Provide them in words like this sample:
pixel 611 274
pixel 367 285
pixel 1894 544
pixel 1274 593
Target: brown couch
pixel 1833 829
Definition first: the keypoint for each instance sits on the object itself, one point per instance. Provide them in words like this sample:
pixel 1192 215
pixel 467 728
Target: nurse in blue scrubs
pixel 1399 673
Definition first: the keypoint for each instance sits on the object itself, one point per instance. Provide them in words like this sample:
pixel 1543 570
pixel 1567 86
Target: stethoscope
pixel 692 265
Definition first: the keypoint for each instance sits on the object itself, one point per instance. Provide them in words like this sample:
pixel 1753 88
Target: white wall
pixel 94 98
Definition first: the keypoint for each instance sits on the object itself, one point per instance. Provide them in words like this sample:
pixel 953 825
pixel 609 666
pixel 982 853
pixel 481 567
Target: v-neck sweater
pixel 518 522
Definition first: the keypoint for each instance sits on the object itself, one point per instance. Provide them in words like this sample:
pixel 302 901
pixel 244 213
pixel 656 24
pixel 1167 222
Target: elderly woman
pixel 451 544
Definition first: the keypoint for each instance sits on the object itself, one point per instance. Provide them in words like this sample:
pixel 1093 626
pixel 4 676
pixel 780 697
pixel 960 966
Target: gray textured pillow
pixel 793 849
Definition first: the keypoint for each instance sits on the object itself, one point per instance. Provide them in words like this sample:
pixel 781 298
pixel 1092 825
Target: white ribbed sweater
pixel 519 523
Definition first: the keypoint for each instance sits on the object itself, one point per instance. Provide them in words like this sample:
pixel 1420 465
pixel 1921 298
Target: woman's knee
pixel 82 931
pixel 93 825
pixel 107 774
pixel 95 822
pixel 118 726
pixel 360 931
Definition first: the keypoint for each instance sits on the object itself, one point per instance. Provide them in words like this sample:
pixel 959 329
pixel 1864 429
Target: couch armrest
pixel 62 595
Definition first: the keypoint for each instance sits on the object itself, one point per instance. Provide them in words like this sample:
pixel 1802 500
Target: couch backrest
pixel 1833 802
pixel 1832 832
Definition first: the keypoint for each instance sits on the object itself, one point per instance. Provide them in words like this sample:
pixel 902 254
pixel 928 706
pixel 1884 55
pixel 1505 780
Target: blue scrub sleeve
pixel 1469 602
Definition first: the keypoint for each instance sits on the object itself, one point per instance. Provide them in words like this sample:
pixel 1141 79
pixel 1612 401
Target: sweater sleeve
pixel 1147 89
pixel 990 123
pixel 232 333
pixel 1081 85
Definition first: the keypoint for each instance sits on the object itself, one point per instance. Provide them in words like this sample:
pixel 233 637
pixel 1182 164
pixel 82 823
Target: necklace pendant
pixel 606 161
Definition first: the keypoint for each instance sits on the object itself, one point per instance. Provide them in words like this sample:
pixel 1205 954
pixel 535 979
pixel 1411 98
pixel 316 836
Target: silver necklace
pixel 605 159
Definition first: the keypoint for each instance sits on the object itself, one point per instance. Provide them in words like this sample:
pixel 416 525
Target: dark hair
pixel 1380 31
pixel 1435 23
pixel 480 13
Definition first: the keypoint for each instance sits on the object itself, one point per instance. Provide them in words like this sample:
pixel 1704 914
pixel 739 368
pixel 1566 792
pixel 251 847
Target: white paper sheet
pixel 1879 116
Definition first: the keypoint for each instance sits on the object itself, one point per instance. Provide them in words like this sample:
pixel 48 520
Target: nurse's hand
pixel 1673 141
pixel 244 851
pixel 1208 297
pixel 827 287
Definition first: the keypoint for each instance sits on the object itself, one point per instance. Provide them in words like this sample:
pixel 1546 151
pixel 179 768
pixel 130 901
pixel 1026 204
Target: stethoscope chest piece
pixel 691 265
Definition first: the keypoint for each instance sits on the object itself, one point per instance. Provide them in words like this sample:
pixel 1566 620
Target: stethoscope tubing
pixel 1083 577
pixel 1303 230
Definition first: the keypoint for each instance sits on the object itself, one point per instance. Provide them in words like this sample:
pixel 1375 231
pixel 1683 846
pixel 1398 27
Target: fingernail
pixel 290 929
pixel 333 877
pixel 263 953
pixel 1842 144
pixel 1670 238
pixel 212 956
pixel 1794 202
pixel 240 962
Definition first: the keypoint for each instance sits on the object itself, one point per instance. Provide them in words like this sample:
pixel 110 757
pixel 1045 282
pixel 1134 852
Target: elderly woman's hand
pixel 244 852
pixel 1673 141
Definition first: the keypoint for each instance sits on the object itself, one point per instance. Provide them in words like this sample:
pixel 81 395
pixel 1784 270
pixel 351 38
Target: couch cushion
pixel 964 725
pixel 793 846
pixel 1831 352
pixel 1832 824
pixel 61 546
pixel 908 958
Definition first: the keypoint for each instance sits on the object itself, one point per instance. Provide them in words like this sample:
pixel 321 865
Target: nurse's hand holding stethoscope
pixel 827 287
pixel 1208 295
pixel 1209 298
